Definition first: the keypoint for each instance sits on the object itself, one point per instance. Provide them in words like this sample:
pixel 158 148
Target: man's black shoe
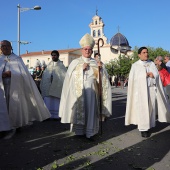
pixel 145 134
pixel 91 139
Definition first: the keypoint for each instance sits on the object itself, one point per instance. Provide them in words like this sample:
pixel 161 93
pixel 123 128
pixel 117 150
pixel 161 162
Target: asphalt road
pixel 49 145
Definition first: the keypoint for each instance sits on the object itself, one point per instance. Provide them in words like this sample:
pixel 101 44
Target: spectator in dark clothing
pixel 122 79
pixel 116 81
pixel 110 80
pixel 126 82
pixel 167 62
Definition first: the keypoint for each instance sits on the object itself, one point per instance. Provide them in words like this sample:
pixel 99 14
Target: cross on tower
pixel 96 11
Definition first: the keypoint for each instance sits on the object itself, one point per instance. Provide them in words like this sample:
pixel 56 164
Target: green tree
pixel 122 65
pixel 153 53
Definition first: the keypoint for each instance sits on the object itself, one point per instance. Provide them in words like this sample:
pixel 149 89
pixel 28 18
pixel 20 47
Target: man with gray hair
pixel 167 61
pixel 159 61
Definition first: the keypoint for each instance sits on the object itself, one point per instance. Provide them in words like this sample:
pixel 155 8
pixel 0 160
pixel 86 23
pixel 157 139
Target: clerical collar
pixel 144 61
pixel 7 58
pixel 55 61
pixel 86 60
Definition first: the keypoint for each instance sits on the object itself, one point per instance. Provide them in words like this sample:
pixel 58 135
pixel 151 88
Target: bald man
pixel 20 99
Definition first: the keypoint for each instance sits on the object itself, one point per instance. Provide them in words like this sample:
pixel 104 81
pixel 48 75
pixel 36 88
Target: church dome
pixel 119 43
pixel 119 40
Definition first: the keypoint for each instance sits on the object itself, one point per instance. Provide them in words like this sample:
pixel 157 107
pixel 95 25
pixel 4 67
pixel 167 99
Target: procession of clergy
pixel 72 95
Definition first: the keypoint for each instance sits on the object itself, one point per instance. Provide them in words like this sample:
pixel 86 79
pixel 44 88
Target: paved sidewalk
pixel 49 145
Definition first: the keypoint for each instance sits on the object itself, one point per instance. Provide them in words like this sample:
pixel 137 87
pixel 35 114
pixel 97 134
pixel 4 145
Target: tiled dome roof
pixel 119 40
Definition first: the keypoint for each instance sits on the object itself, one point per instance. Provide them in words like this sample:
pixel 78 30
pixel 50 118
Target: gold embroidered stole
pixel 78 72
pixel 79 93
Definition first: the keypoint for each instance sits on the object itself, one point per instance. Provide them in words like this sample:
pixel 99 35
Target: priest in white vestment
pixel 80 97
pixel 145 96
pixel 20 100
pixel 52 83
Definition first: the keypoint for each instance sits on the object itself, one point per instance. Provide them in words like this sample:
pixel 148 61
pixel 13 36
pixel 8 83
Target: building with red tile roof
pixel 117 46
pixel 66 56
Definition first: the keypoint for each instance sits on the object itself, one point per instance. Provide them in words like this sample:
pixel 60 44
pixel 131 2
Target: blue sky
pixel 60 24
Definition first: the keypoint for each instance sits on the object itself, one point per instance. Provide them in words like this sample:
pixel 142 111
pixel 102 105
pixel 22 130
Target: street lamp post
pixel 20 9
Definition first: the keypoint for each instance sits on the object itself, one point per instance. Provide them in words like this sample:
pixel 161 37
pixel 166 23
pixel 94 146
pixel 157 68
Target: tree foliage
pixel 153 53
pixel 122 65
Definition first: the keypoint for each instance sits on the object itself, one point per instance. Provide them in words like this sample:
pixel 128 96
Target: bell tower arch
pixel 97 29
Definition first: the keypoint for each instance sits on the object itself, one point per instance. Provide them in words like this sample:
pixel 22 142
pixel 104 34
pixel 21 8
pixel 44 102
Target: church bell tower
pixel 97 29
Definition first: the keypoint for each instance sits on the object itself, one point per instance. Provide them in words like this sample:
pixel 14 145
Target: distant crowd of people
pixel 118 81
pixel 73 95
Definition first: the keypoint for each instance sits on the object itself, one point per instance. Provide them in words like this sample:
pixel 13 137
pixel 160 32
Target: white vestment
pixel 52 104
pixel 145 97
pixel 20 100
pixel 80 98
pixel 51 86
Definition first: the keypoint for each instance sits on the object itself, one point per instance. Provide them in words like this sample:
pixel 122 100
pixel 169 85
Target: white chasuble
pixel 20 101
pixel 79 100
pixel 145 97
